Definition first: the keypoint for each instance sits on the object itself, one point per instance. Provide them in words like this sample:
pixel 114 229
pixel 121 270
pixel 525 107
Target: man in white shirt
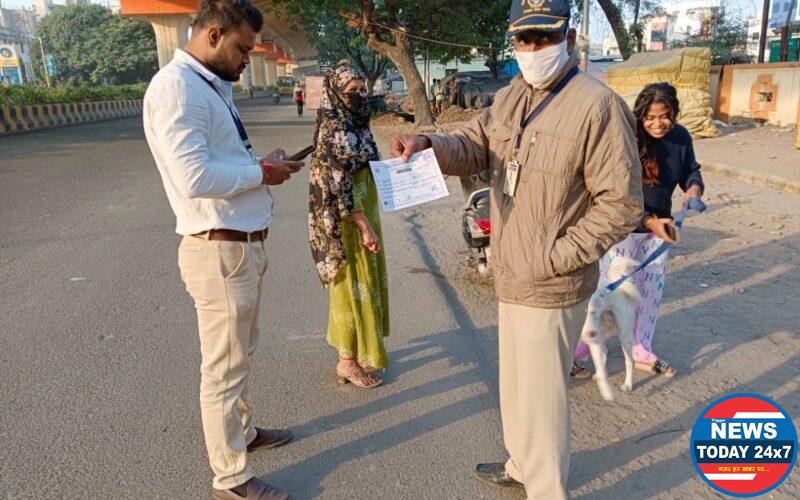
pixel 219 192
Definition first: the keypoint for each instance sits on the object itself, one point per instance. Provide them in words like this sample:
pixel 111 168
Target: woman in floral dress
pixel 345 228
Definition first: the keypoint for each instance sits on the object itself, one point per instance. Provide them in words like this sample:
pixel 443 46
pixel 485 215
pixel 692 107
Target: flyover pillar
pixel 272 72
pixel 258 70
pixel 170 20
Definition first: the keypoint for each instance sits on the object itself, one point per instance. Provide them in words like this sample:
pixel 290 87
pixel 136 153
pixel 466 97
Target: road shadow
pixel 68 138
pixel 748 298
pixel 729 285
pixel 661 476
pixel 460 347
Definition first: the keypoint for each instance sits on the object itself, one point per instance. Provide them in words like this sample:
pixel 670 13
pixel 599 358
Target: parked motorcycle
pixel 476 226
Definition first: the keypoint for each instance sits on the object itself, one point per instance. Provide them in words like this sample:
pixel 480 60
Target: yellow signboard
pixel 8 57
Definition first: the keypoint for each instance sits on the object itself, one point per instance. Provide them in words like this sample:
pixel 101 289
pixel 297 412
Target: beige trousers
pixel 225 280
pixel 536 347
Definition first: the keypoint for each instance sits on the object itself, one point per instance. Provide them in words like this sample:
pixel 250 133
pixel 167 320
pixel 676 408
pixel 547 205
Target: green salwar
pixel 358 318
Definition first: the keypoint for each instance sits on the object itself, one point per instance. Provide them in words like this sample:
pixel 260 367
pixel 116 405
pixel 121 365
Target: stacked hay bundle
pixel 688 70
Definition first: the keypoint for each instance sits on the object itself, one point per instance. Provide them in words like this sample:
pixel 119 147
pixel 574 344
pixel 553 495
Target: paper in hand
pixel 402 185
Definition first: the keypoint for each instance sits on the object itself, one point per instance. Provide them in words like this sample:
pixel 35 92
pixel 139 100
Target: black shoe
pixel 496 474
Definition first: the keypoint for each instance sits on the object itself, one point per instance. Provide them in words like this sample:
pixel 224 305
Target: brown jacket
pixel 579 190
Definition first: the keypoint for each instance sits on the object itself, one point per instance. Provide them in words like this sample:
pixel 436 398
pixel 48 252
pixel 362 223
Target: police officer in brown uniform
pixel 565 187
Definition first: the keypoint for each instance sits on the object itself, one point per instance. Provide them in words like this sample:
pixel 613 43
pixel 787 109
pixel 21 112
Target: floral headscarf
pixel 344 144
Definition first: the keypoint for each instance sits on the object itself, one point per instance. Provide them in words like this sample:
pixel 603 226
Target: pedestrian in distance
pixel 565 186
pixel 219 192
pixel 439 97
pixel 299 98
pixel 345 228
pixel 667 155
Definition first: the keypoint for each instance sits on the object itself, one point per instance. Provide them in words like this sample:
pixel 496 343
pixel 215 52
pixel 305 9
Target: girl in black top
pixel 667 155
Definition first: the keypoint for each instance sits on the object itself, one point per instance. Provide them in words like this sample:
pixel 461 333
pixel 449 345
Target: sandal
pixel 579 372
pixel 660 367
pixel 359 377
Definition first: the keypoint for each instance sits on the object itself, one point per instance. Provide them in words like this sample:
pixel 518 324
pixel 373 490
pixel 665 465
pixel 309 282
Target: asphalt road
pixel 99 357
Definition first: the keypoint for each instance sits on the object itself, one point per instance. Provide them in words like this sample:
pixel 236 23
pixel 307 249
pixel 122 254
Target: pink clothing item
pixel 650 283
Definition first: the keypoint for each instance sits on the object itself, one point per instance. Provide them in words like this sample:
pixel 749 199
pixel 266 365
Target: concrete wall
pixel 15 119
pixel 765 92
pixel 716 74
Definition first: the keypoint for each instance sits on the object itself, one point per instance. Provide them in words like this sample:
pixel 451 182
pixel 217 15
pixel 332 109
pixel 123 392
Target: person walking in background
pixel 223 206
pixel 345 228
pixel 667 156
pixel 299 98
pixel 565 186
pixel 439 97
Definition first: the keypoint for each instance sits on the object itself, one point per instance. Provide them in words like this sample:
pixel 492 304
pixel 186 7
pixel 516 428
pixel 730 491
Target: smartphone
pixel 301 154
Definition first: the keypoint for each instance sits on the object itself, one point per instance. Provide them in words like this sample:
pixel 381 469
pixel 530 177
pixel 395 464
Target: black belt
pixel 233 235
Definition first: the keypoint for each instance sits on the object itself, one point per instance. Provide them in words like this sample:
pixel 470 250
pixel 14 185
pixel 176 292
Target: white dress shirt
pixel 211 179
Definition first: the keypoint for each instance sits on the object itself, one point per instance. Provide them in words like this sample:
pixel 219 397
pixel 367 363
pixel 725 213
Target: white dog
pixel 609 314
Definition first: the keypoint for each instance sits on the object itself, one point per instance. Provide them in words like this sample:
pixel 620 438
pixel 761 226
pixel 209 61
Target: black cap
pixel 538 15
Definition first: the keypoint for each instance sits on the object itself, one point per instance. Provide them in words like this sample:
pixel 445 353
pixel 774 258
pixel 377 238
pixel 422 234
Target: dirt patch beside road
pixel 728 324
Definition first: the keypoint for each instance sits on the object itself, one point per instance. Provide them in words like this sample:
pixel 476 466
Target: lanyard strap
pixel 693 204
pixel 236 120
pixel 526 120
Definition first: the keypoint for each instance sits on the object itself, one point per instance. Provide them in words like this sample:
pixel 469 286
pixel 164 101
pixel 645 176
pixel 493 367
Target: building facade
pixel 16 31
pixel 780 13
pixel 679 21
pixel 611 47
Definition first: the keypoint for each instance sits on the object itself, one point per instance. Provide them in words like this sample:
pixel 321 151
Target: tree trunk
pixel 637 8
pixel 402 56
pixel 399 52
pixel 617 26
pixel 494 66
pixel 371 79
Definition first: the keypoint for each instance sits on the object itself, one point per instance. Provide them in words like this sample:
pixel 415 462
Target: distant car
pixel 473 89
pixel 286 85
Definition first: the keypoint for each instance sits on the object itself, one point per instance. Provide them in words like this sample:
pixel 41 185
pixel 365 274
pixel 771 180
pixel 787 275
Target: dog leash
pixel 693 204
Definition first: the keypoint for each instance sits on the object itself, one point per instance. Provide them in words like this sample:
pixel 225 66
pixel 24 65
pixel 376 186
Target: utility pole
pixel 762 40
pixel 44 61
pixel 585 33
pixel 786 32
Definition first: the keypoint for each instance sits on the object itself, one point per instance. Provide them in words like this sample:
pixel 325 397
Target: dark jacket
pixel 579 192
pixel 677 166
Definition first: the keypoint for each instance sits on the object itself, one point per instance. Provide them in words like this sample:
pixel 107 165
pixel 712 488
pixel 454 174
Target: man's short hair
pixel 227 15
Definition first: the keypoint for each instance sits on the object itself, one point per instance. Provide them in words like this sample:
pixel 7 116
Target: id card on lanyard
pixel 513 167
pixel 236 120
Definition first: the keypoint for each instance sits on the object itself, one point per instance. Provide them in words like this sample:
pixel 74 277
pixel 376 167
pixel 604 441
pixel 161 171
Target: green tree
pixel 335 41
pixel 723 34
pixel 641 10
pixel 125 52
pixel 397 30
pixel 629 37
pixel 614 12
pixel 479 29
pixel 92 45
pixel 492 25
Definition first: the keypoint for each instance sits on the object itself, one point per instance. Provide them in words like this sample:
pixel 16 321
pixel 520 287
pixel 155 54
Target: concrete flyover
pixel 280 46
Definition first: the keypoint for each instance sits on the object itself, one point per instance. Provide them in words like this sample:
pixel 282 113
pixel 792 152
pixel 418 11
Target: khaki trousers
pixel 225 279
pixel 536 347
